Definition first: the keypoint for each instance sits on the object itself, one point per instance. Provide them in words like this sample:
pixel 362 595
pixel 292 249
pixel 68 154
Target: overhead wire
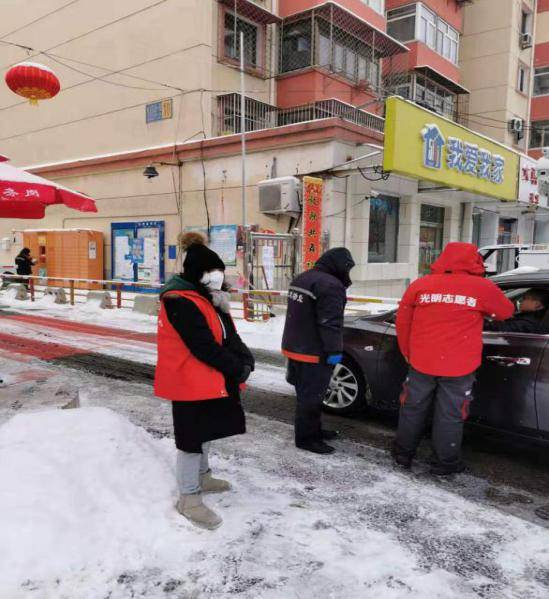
pixel 38 19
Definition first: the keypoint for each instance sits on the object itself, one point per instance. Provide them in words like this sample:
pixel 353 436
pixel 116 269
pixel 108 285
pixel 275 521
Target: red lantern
pixel 33 81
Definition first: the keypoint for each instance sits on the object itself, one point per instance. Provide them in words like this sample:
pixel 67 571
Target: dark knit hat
pixel 199 257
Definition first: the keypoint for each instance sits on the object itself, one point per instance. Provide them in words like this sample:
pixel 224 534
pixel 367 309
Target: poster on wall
pixel 528 184
pixel 312 221
pixel 223 241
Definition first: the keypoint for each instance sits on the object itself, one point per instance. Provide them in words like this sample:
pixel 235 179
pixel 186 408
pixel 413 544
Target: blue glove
pixel 334 359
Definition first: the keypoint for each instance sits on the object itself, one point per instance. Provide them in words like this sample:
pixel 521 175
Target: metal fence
pixel 263 116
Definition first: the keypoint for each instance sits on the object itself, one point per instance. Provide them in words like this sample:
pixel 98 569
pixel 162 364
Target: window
pixel 523 78
pixel 540 134
pixel 541 82
pixel 435 97
pixel 526 22
pixel 401 23
pixel 296 45
pixel 258 115
pixel 431 234
pixel 377 5
pixel 232 40
pixel 417 22
pixel 383 239
pixel 344 54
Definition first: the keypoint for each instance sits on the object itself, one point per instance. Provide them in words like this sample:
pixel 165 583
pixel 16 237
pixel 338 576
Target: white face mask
pixel 213 280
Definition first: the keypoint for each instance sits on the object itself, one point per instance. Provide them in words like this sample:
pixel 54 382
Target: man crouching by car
pixel 439 327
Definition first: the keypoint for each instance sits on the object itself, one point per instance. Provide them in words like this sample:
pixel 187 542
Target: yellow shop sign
pixel 422 145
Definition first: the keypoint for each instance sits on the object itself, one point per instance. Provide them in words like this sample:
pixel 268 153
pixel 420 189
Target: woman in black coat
pixel 196 423
pixel 24 263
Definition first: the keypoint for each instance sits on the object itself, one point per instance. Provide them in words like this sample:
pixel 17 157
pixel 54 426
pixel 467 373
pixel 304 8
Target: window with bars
pixel 541 82
pixel 539 135
pixel 335 50
pixel 233 27
pixel 425 92
pixel 416 22
pixel 258 115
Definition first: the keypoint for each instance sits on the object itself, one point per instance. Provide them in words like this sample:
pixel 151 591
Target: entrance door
pixel 431 235
pixel 137 253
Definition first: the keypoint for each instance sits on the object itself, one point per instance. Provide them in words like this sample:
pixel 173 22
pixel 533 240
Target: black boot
pixel 327 435
pixel 439 469
pixel 402 459
pixel 315 447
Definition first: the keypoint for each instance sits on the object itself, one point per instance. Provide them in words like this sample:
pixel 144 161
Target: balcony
pixel 264 116
pixel 331 38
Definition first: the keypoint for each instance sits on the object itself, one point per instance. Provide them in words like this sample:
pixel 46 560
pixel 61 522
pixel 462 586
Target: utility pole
pixel 243 128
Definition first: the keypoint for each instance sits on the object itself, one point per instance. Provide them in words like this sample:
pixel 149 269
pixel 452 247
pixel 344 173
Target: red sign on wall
pixel 312 221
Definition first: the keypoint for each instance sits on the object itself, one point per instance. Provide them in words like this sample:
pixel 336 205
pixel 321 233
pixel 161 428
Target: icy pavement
pixel 86 512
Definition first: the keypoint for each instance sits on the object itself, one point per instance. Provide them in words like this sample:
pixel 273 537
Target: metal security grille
pixel 257 26
pixel 264 116
pixel 332 39
pixel 272 260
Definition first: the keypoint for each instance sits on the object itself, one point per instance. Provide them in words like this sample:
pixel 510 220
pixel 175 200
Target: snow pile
pixel 86 511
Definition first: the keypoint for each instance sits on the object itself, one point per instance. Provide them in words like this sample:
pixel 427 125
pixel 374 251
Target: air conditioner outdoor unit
pixel 280 196
pixel 526 40
pixel 516 126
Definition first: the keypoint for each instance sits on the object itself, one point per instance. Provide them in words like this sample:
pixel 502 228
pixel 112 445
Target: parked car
pixel 512 388
pixel 502 257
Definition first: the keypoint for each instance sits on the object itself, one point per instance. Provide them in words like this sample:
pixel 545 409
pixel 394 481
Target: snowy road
pixel 86 513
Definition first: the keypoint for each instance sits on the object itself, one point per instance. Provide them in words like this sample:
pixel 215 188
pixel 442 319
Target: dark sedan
pixel 512 389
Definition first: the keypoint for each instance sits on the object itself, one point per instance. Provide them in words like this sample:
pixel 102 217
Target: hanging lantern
pixel 33 81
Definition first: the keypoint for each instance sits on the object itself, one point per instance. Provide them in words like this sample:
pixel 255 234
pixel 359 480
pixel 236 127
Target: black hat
pixel 199 258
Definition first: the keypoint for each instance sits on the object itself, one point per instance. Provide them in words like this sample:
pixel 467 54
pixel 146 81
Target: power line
pixel 100 114
pixel 82 35
pixel 37 20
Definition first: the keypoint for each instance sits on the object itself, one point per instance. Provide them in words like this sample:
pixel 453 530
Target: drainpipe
pixel 347 242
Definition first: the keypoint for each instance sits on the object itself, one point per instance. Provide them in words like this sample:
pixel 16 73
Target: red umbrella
pixel 24 195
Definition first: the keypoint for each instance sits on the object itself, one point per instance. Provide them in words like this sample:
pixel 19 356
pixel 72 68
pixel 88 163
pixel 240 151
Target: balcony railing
pixel 264 116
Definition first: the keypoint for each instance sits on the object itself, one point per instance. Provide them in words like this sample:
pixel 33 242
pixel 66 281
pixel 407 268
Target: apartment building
pixel 157 84
pixel 539 135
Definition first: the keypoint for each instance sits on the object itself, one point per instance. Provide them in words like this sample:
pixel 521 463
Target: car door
pixel 505 391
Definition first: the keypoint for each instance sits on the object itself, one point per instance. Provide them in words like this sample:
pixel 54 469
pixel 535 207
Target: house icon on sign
pixel 433 142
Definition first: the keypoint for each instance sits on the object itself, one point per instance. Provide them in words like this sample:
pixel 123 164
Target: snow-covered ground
pixel 87 495
pixel 258 335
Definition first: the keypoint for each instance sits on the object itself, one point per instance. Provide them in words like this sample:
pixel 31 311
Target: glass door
pixel 431 235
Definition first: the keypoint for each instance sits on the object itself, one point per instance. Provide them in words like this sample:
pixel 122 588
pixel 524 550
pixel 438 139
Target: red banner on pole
pixel 312 221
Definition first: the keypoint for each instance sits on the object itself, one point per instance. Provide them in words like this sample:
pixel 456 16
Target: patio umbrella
pixel 24 195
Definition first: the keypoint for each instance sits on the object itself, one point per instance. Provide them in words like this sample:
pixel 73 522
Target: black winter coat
pixel 316 306
pixel 24 265
pixel 196 422
pixel 522 322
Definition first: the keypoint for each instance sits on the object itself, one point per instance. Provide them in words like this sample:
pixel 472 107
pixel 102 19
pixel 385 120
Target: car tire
pixel 348 389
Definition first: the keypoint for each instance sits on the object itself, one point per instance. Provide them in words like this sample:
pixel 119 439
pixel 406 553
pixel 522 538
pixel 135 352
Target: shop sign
pixel 424 146
pixel 312 221
pixel 529 192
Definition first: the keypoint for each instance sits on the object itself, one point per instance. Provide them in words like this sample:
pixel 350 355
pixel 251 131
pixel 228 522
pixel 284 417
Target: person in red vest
pixel 202 364
pixel 439 327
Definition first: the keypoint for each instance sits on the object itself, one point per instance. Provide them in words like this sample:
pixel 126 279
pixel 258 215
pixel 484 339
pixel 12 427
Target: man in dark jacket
pixel 24 263
pixel 313 341
pixel 528 319
pixel 439 328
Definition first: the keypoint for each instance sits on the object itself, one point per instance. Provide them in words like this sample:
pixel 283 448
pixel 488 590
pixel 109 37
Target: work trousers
pixel 189 468
pixel 451 397
pixel 311 383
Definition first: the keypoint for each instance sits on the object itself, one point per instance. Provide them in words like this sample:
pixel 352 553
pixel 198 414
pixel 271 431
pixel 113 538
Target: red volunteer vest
pixel 179 375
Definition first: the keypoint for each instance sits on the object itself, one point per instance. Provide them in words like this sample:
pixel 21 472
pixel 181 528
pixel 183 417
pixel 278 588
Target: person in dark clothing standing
pixel 313 341
pixel 439 329
pixel 202 365
pixel 24 263
pixel 528 319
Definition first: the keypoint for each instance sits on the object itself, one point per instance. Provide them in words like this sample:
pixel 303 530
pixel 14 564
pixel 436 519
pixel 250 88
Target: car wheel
pixel 347 390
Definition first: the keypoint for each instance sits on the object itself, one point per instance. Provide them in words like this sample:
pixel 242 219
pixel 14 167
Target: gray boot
pixel 193 509
pixel 209 484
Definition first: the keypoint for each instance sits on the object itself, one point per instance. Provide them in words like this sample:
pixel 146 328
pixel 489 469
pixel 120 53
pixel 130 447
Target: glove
pixel 246 371
pixel 334 359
